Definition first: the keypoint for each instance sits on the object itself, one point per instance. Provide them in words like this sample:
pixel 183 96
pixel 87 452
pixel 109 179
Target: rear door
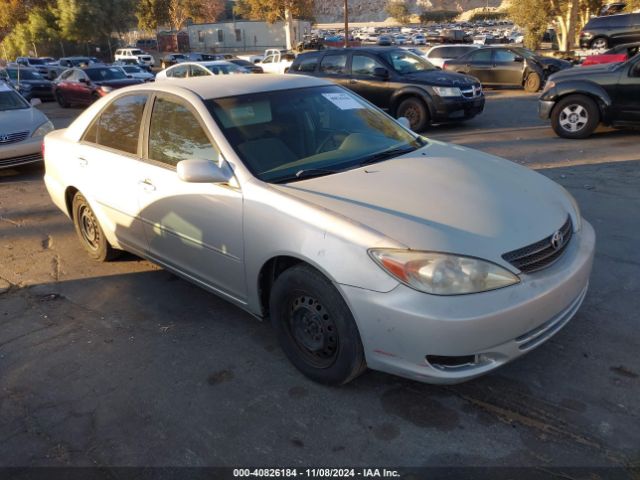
pixel 507 68
pixel 333 66
pixel 109 159
pixel 478 63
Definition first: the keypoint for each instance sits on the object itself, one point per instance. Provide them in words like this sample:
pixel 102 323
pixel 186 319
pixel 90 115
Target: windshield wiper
pixel 386 154
pixel 306 173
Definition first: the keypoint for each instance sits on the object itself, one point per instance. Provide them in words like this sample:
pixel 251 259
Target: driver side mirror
pixel 381 72
pixel 83 80
pixel 202 171
pixel 518 59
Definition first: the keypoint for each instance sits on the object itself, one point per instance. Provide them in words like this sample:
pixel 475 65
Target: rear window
pixel 612 21
pixel 306 63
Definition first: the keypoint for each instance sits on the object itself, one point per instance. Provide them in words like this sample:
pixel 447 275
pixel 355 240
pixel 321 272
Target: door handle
pixel 82 162
pixel 147 185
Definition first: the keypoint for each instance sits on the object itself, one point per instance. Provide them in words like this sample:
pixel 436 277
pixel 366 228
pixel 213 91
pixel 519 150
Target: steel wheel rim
pixel 600 43
pixel 573 118
pixel 412 114
pixel 88 227
pixel 313 331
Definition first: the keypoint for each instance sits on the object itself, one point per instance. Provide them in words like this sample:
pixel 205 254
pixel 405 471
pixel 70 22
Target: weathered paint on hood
pixel 445 198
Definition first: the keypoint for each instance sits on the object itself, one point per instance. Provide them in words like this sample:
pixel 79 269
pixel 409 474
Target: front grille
pixel 472 91
pixel 11 162
pixel 14 137
pixel 541 254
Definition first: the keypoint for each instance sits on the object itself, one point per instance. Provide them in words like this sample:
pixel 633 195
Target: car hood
pixel 125 82
pixel 581 73
pixel 440 78
pixel 445 198
pixel 21 120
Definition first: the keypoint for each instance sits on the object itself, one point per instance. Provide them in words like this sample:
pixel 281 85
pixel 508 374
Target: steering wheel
pixel 332 142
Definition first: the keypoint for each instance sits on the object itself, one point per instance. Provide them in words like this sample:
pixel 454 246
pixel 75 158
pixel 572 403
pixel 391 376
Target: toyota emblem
pixel 557 240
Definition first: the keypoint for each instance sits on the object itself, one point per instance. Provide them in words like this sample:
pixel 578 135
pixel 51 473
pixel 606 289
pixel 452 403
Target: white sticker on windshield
pixel 342 100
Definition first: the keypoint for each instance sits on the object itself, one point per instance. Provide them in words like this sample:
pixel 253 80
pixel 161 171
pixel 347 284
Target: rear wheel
pixel 89 231
pixel 315 327
pixel 415 111
pixel 575 116
pixel 533 82
pixel 61 100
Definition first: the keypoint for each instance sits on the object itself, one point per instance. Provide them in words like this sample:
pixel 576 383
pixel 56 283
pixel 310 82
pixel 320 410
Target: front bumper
pixel 21 153
pixel 399 329
pixel 544 108
pixel 453 109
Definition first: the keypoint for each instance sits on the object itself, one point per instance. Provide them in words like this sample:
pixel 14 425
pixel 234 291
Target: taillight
pixel 444 65
pixel 42 148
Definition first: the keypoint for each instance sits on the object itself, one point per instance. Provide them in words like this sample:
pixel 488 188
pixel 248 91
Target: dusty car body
pixel 417 258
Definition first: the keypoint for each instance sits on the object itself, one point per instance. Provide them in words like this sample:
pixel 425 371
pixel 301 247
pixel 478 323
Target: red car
pixel 84 86
pixel 621 53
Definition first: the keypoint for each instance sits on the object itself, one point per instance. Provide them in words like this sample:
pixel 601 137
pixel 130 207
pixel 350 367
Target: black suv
pixel 577 101
pixel 398 81
pixel 605 32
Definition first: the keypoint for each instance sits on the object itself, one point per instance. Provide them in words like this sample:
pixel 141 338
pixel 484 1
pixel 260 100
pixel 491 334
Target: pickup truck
pixel 277 61
pixel 135 54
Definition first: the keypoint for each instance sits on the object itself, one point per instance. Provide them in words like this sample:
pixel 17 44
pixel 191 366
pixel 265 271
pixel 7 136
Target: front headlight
pixel 448 91
pixel 548 86
pixel 106 88
pixel 442 273
pixel 43 129
pixel 576 209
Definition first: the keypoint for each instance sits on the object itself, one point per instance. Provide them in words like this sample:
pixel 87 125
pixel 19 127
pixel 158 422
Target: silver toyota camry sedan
pixel 364 244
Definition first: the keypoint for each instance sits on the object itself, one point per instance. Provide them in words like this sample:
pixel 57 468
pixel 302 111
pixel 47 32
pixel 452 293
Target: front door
pixel 507 68
pixel 194 228
pixel 363 81
pixel 627 99
pixel 333 66
pixel 479 64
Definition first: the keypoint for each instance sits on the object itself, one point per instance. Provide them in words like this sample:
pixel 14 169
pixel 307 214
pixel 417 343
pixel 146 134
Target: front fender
pixel 581 87
pixel 410 91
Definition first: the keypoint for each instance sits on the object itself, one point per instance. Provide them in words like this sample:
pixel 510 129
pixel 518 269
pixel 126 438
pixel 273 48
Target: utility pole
pixel 346 23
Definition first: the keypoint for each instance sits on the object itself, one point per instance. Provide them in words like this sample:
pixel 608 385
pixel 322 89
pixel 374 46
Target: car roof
pixel 233 85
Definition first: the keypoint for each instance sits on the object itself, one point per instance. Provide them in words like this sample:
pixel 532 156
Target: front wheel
pixel 61 100
pixel 89 231
pixel 315 327
pixel 533 82
pixel 576 116
pixel 415 111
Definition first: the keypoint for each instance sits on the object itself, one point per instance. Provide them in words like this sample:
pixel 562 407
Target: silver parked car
pixel 22 129
pixel 362 242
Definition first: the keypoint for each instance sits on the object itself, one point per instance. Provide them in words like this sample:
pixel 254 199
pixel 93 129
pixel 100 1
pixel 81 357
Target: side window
pixel 268 59
pixel 504 56
pixel 308 63
pixel 178 72
pixel 118 125
pixel 364 65
pixel 437 53
pixel 334 64
pixel 483 55
pixel 66 74
pixel 197 71
pixel 175 134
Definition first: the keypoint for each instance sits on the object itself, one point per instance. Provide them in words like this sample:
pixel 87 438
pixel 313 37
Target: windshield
pixel 524 52
pixel 289 135
pixel 137 52
pixel 12 101
pixel 131 69
pixel 76 62
pixel 102 74
pixel 225 69
pixel 24 74
pixel 405 62
pixel 36 61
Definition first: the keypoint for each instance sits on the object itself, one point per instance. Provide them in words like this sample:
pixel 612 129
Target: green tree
pixel 632 5
pixel 87 20
pixel 398 10
pixel 152 13
pixel 276 10
pixel 36 33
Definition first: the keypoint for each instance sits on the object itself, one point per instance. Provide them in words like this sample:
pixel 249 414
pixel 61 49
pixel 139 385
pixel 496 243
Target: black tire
pixel 600 43
pixel 315 327
pixel 89 231
pixel 575 116
pixel 61 100
pixel 533 82
pixel 415 111
pixel 95 97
